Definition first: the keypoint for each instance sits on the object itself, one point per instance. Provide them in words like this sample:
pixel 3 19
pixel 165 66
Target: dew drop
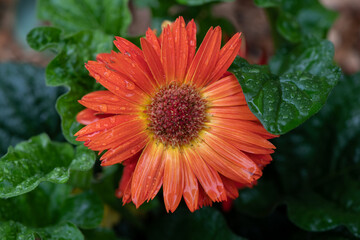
pixel 129 85
pixel 97 77
pixel 103 107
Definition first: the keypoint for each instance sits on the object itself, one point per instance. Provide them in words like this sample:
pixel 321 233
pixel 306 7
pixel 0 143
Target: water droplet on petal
pixel 129 85
pixel 97 77
pixel 103 107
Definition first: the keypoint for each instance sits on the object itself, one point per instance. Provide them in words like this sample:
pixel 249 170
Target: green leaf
pixel 23 88
pixel 314 212
pixel 80 210
pixel 37 160
pixel 206 223
pixel 50 211
pixel 15 231
pixel 60 232
pixel 318 164
pixel 84 159
pixel 298 20
pixel 200 2
pixel 109 16
pixel 42 38
pixel 99 233
pixel 267 3
pixel 87 28
pixel 32 162
pixel 67 68
pixel 282 102
pixel 288 27
pixel 260 200
pixel 329 235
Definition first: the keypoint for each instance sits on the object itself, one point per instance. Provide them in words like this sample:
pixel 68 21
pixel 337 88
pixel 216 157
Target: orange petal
pixel 234 100
pixel 168 54
pixel 241 135
pixel 124 189
pixel 204 199
pixel 208 178
pixel 153 61
pixel 252 126
pixel 181 48
pixel 104 58
pixel 191 36
pixel 230 187
pixel 248 148
pixel 102 125
pixel 117 135
pixel 130 70
pixel 154 41
pixel 88 116
pixel 173 179
pixel 191 188
pixel 124 151
pixel 227 160
pixel 260 159
pixel 107 102
pixel 242 50
pixel 133 52
pixel 148 175
pixel 205 58
pixel 237 112
pixel 224 87
pixel 116 83
pixel 226 57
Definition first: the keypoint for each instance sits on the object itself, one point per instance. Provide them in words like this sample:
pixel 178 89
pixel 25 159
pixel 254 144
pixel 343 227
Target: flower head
pixel 175 118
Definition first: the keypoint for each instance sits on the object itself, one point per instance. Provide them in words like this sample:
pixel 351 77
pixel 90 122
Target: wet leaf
pixel 67 68
pixel 331 197
pixel 50 211
pixel 109 16
pixel 42 38
pixel 80 210
pixel 295 89
pixel 100 233
pixel 206 223
pixel 298 20
pixel 37 160
pixel 200 2
pixel 27 105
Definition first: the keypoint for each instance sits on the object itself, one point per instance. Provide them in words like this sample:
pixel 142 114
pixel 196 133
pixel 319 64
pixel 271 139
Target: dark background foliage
pixel 51 188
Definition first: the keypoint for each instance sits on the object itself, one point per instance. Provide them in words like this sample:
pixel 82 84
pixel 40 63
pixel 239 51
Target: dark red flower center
pixel 177 114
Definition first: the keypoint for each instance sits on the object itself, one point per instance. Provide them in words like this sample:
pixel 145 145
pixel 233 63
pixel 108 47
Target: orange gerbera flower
pixel 174 118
